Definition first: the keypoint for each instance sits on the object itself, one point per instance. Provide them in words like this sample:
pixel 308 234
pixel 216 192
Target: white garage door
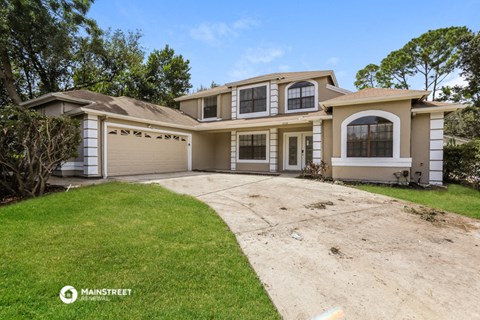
pixel 139 152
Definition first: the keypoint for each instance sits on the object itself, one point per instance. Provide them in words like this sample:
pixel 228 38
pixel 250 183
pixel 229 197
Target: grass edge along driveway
pixel 174 252
pixel 456 198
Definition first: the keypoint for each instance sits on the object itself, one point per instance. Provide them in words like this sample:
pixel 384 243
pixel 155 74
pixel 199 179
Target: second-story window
pixel 301 95
pixel 210 107
pixel 253 100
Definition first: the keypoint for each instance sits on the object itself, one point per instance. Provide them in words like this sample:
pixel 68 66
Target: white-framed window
pixel 355 152
pixel 253 101
pixel 210 108
pixel 301 96
pixel 253 147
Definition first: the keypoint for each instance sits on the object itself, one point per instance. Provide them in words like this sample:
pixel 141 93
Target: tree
pixel 433 56
pixel 32 147
pixel 35 41
pixel 367 77
pixel 166 76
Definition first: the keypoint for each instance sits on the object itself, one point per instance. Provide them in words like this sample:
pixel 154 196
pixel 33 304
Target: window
pixel 253 100
pixel 370 137
pixel 301 95
pixel 252 147
pixel 210 107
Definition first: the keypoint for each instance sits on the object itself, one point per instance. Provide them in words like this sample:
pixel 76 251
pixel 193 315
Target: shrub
pixel 462 163
pixel 315 170
pixel 32 146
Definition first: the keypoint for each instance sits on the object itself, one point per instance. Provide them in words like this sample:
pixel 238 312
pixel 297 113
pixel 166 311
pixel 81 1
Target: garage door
pixel 139 152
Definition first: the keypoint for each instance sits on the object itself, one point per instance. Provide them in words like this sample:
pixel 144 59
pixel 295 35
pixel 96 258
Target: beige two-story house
pixel 272 123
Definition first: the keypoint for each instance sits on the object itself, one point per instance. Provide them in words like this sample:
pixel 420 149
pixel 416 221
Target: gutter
pixel 449 108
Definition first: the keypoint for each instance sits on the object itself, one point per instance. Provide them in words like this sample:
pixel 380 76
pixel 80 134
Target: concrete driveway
pixel 316 246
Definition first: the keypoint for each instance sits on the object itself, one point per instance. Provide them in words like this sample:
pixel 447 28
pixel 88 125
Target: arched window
pixel 301 95
pixel 370 136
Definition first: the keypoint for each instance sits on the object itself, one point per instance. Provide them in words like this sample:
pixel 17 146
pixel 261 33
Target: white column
pixel 317 141
pixel 233 151
pixel 90 145
pixel 234 103
pixel 436 149
pixel 273 99
pixel 273 147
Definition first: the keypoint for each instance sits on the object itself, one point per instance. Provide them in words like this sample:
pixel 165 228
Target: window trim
pixel 203 109
pixel 267 146
pixel 394 161
pixel 253 114
pixel 315 103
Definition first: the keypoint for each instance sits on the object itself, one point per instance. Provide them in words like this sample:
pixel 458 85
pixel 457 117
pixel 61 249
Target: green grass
pixel 174 252
pixel 457 198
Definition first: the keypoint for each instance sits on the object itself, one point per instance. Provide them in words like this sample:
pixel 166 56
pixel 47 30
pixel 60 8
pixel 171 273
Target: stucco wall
pixel 374 174
pixel 190 107
pixel 327 146
pixel 421 147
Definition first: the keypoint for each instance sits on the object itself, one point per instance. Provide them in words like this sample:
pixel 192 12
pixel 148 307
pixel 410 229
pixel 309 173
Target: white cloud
pixel 333 61
pixel 253 59
pixel 454 80
pixel 213 32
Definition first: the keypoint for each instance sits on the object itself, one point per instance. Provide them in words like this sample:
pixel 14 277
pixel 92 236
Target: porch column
pixel 317 141
pixel 273 150
pixel 436 149
pixel 233 151
pixel 90 145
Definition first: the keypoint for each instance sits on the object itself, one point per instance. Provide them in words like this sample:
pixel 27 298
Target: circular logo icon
pixel 68 294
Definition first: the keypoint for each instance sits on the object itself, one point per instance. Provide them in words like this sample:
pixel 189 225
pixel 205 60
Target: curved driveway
pixel 317 246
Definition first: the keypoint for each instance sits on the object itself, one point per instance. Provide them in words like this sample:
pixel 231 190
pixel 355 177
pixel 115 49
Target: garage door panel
pixel 138 152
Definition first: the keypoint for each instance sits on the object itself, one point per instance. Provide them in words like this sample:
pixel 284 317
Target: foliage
pixel 315 170
pixel 165 77
pixel 174 252
pixel 456 198
pixel 462 163
pixel 433 56
pixel 36 41
pixel 32 147
pixel 367 77
pixel 49 46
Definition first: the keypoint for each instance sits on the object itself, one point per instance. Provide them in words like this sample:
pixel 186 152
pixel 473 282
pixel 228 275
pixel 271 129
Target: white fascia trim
pixel 398 97
pixel 372 162
pixel 379 113
pixel 210 119
pixel 267 146
pixel 117 125
pixel 253 114
pixel 453 107
pixel 338 89
pixel 302 110
pixel 129 118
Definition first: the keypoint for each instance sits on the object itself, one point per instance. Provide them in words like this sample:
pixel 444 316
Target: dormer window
pixel 301 96
pixel 210 107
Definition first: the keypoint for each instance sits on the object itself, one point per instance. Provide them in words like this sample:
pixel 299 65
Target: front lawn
pixel 176 255
pixel 457 198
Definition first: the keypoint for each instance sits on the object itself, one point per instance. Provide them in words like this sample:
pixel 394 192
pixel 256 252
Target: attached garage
pixel 138 151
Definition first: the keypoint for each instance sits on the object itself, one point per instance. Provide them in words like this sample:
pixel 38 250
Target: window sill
pixel 372 162
pixel 253 161
pixel 301 110
pixel 210 119
pixel 252 115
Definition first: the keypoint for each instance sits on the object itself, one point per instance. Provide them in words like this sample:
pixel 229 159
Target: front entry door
pixel 298 150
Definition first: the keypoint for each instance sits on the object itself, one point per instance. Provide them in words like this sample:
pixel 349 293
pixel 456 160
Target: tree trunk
pixel 7 75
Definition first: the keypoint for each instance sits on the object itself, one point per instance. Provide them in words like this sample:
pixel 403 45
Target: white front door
pixel 298 150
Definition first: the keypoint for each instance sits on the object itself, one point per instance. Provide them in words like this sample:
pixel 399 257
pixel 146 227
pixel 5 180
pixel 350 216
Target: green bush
pixel 462 163
pixel 32 146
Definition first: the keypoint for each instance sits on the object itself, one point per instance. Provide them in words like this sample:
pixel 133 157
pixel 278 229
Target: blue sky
pixel 227 41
